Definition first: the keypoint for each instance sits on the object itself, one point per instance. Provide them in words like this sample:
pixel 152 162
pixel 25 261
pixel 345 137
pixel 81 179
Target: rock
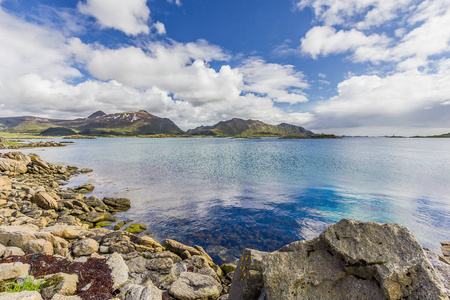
pixel 17 236
pixel 136 228
pixel 349 260
pixel 228 268
pixel 5 184
pixel 248 279
pixel 93 201
pixel 445 249
pixel 119 270
pixel 156 270
pixel 103 224
pixel 442 269
pixel 64 231
pixel 36 160
pixel 85 247
pixel 10 251
pixel 2 250
pixel 45 200
pixel 191 286
pixel 179 248
pixel 86 170
pixel 61 297
pixel 39 246
pixel 86 188
pixel 139 292
pixel 95 217
pixel 26 295
pixel 117 203
pixel 11 165
pixel 13 270
pixel 60 283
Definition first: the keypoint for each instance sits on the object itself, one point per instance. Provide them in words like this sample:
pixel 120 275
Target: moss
pixel 136 228
pixel 103 224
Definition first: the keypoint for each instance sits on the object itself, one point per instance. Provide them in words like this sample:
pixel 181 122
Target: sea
pixel 229 194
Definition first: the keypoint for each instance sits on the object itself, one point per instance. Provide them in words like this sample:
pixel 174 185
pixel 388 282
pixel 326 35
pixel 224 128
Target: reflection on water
pixel 226 195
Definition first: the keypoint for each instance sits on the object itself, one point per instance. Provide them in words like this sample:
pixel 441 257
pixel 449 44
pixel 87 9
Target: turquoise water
pixel 228 194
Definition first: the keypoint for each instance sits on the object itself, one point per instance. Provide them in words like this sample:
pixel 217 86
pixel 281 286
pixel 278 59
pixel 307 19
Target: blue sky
pixel 353 67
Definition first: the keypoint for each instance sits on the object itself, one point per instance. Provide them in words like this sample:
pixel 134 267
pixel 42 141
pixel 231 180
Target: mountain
pixel 249 128
pixel 99 123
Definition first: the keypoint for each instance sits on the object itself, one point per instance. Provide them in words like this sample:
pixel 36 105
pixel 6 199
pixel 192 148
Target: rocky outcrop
pixel 349 260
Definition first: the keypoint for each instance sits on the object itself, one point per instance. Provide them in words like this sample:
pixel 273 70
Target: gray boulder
pixel 349 260
pixel 12 165
pixel 194 286
pixel 13 270
pixel 119 269
pixel 45 200
pixel 27 295
pixel 60 283
pixel 139 292
pixel 85 247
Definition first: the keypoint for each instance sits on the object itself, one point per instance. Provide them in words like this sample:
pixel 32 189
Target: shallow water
pixel 228 194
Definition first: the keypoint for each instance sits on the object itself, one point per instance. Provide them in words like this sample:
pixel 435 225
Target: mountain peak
pixel 98 113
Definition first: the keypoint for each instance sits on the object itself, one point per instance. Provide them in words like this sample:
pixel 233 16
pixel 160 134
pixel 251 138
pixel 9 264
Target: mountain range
pixel 139 123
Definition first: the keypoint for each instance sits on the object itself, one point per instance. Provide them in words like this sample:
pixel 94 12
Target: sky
pixel 354 67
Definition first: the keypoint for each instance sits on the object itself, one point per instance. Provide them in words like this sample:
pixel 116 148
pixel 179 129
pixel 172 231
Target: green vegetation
pixel 28 284
pixel 58 131
pixel 30 128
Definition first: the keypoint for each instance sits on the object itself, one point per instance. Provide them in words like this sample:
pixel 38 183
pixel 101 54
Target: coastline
pixel 40 220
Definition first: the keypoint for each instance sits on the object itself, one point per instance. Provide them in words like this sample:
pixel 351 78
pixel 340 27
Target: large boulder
pixel 11 165
pixel 117 203
pixel 139 292
pixel 85 247
pixel 60 283
pixel 349 260
pixel 19 156
pixel 180 249
pixel 194 286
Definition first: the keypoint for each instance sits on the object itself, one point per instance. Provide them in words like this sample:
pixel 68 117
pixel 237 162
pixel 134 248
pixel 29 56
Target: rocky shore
pixel 4 144
pixel 53 239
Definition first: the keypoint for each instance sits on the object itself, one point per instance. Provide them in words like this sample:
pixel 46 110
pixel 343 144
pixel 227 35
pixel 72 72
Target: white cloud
pixel 38 77
pixel 274 81
pixel 406 99
pixel 325 40
pixel 130 16
pixel 361 14
pixel 160 28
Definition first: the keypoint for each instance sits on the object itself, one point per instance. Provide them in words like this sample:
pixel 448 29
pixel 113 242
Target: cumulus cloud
pixel 325 40
pixel 160 28
pixel 279 82
pixel 42 74
pixel 130 16
pixel 361 14
pixel 177 2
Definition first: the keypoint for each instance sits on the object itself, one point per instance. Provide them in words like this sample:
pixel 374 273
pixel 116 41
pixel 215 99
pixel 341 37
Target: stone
pixel 442 268
pixel 59 283
pixel 86 170
pixel 95 217
pixel 117 203
pixel 228 268
pixel 13 270
pixel 85 247
pixel 12 165
pixel 45 200
pixel 96 202
pixel 10 251
pixel 36 160
pixel 64 231
pixel 179 248
pixel 139 292
pixel 61 297
pixel 445 249
pixel 19 156
pixel 349 260
pixel 86 188
pixel 26 295
pixel 5 184
pixel 2 250
pixel 39 246
pixel 156 270
pixel 192 286
pixel 103 224
pixel 119 270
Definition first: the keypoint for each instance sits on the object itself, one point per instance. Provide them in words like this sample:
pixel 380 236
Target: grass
pixel 27 285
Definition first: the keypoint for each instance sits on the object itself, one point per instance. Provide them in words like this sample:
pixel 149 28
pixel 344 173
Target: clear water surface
pixel 229 194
